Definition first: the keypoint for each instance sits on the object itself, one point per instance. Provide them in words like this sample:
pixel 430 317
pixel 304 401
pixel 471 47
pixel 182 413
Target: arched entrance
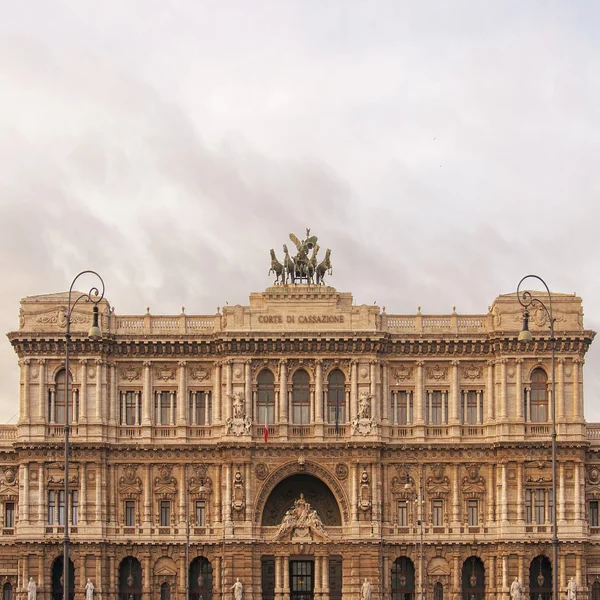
pixel 438 591
pixel 201 579
pixel 403 579
pixel 473 579
pixel 57 579
pixel 540 578
pixel 316 493
pixel 130 579
pixel 596 590
pixel 7 591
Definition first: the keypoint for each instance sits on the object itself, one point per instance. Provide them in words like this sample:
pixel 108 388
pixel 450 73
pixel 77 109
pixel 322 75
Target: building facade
pixel 407 454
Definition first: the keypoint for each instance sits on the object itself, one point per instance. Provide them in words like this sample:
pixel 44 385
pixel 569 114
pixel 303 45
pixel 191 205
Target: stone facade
pixel 413 451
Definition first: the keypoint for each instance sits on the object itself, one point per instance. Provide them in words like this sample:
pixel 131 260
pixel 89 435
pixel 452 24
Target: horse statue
pixel 277 268
pixel 312 265
pixel 288 264
pixel 324 267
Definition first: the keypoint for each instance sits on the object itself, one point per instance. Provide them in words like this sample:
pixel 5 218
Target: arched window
pixel 596 590
pixel 265 401
pixel 438 591
pixel 539 396
pixel 540 578
pixel 59 397
pixel 403 579
pixel 130 579
pixel 165 591
pixel 336 397
pixel 7 591
pixel 201 579
pixel 473 579
pixel 300 398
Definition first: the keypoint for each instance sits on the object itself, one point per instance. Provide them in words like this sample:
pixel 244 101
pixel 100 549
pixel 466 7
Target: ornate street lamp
pixel 94 296
pixel 526 300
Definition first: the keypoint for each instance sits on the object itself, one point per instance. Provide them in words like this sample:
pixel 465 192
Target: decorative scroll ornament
pixel 199 373
pixel 239 424
pixel 301 523
pixel 165 373
pixel 362 424
pixel 60 317
pixel 131 373
pixel 436 372
pixel 304 266
pixel 364 496
pixel 238 501
pixel 472 372
pixel 402 373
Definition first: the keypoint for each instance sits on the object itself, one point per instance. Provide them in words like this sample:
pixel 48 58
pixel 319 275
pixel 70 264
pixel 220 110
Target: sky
pixel 442 150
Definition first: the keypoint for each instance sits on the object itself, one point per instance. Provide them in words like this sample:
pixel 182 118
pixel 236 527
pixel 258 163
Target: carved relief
pixel 472 372
pixel 200 489
pixel 301 523
pixel 131 373
pixel 165 373
pixel 56 475
pixel 402 373
pixel 130 484
pixel 436 372
pixel 238 501
pixel 240 423
pixel 341 471
pixel 538 472
pixel 262 471
pixel 473 484
pixel 199 373
pixel 362 424
pixel 9 485
pixel 364 494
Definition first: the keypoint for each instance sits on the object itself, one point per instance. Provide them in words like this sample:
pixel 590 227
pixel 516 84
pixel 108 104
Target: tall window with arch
pixel 336 397
pixel 57 405
pixel 265 396
pixel 538 397
pixel 300 398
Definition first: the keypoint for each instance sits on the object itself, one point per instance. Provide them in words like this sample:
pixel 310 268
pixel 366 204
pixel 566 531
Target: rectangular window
pixel 528 506
pixel 437 412
pixel 61 507
pixel 130 408
pixel 540 506
pixel 74 507
pixel 473 513
pixel 51 507
pixel 437 513
pixel 129 513
pixel 9 514
pixel 165 513
pixel 200 513
pixel 197 408
pixel 594 513
pixel 471 408
pixel 402 513
pixel 400 410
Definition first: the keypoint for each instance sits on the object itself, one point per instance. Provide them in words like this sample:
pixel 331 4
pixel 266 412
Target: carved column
pixel 228 388
pixel 577 490
pixel 278 577
pixel 520 517
pixel 354 474
pixel 318 390
pixel 25 499
pixel 385 393
pixel 325 570
pixel 503 466
pixel 318 577
pixel 455 405
pixel 99 377
pixel 25 401
pixel 248 388
pixel 353 390
pixel 286 577
pixel 491 495
pixel 503 413
pixel 113 394
pixel 182 393
pixel 217 404
pixel 217 576
pixel 490 391
pixel 217 493
pixel 171 408
pixel 248 483
pixel 147 496
pixel 43 393
pixel 283 395
pixel 147 394
pixel 373 390
pixel 83 392
pixel 560 388
pixel 52 405
pixel 83 500
pixel 455 497
pixel 419 393
pixel 100 475
pixel 519 389
pixel 577 396
pixel 42 500
pixel 561 492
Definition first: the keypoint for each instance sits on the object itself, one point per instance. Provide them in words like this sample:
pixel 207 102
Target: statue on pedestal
pixel 31 589
pixel 572 589
pixel 365 590
pixel 89 590
pixel 515 590
pixel 238 589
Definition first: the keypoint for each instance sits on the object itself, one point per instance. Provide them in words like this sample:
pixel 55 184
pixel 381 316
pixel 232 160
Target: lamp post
pixel 526 300
pixel 94 296
pixel 419 501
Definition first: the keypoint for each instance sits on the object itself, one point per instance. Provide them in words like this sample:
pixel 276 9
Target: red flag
pixel 266 430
